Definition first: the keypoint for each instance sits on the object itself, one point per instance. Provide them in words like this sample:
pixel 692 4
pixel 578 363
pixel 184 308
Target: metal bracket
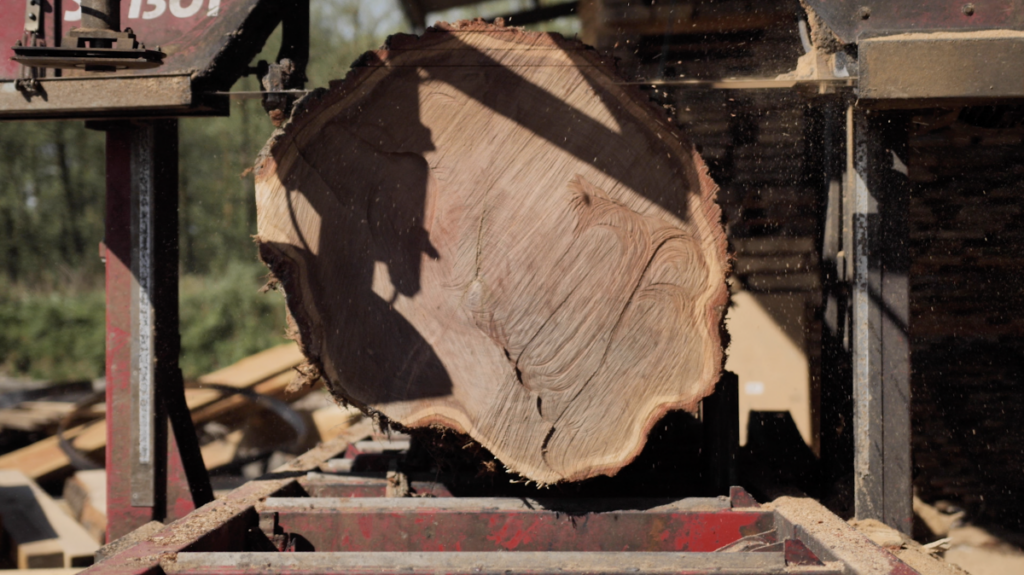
pixel 93 50
pixel 91 46
pixel 289 73
pixel 33 15
pixel 29 86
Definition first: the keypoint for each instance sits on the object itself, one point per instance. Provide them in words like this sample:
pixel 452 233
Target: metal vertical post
pixel 122 517
pixel 147 478
pixel 835 406
pixel 878 193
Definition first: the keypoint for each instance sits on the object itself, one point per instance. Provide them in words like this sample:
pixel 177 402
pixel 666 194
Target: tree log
pixel 485 229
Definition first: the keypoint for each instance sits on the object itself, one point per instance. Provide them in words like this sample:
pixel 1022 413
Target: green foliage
pixel 224 317
pixel 51 220
pixel 58 335
pixel 52 209
pixel 51 203
pixel 52 335
pixel 217 212
pixel 341 30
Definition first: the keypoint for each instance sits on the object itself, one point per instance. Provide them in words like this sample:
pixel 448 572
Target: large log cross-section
pixel 484 228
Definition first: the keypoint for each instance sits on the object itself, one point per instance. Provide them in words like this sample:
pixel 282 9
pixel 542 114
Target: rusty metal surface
pixel 493 524
pixel 739 497
pixel 239 535
pixel 849 19
pixel 111 97
pixel 797 553
pixel 221 525
pixel 198 36
pixel 482 563
pixel 151 474
pixel 954 66
pixel 209 42
pixel 832 539
pixel 117 245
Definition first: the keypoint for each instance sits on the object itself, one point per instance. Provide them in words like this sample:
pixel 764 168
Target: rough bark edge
pixel 821 35
pixel 283 268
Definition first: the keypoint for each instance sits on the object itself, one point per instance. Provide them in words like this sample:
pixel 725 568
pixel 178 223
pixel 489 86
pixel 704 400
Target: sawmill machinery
pixel 132 68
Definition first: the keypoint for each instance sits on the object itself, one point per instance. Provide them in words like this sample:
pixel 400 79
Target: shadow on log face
pixel 491 233
pixel 509 94
pixel 370 245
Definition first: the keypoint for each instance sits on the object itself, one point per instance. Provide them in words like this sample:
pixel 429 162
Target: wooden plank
pixel 42 535
pixel 86 495
pixel 672 19
pixel 204 410
pixel 786 263
pixel 332 420
pixel 34 415
pixel 783 282
pixel 269 371
pixel 221 452
pixel 45 456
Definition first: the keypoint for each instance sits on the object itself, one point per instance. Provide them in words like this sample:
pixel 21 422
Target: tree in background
pixel 218 214
pixel 51 203
pixel 52 206
pixel 51 221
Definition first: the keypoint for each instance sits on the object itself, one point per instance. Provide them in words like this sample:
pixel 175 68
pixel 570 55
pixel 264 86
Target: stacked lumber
pixel 85 494
pixel 37 532
pixel 35 415
pixel 267 373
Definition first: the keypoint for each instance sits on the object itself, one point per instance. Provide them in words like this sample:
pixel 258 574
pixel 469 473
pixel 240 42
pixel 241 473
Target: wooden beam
pixel 267 372
pixel 41 534
pixel 332 420
pixel 660 20
pixel 222 451
pixel 86 495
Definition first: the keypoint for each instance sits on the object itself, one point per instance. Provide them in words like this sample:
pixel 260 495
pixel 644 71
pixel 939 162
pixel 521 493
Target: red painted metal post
pixel 122 517
pixel 146 476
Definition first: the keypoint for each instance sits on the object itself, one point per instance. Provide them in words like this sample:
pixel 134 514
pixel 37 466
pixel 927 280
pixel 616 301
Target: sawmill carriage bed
pixel 321 514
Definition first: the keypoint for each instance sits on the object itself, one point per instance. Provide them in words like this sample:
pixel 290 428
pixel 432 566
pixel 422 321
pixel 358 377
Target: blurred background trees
pixel 51 222
pixel 52 206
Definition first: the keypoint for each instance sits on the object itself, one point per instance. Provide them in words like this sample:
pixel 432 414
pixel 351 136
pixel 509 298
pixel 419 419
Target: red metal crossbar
pixel 493 524
pixel 264 527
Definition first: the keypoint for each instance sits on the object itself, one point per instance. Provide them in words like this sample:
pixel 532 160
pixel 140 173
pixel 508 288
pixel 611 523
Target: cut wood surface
pixel 485 228
pixel 40 533
pixel 268 372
